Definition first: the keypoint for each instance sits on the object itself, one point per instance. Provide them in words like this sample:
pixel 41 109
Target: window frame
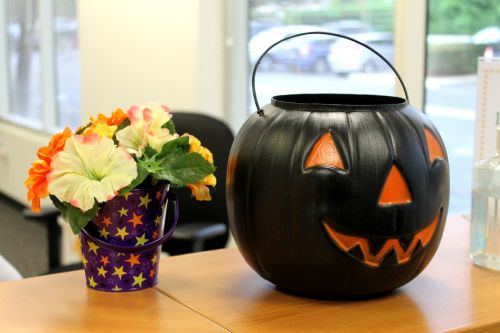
pixel 49 107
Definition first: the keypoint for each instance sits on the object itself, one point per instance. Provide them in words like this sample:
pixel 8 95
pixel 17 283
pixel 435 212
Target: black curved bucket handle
pixel 261 111
pixel 139 249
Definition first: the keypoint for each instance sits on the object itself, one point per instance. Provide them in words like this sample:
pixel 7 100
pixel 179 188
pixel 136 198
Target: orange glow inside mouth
pixel 347 242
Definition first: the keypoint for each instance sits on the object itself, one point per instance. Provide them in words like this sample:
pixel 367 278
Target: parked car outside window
pixel 347 57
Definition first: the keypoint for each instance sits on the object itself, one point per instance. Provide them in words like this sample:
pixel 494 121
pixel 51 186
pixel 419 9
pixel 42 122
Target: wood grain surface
pixel 63 303
pixel 450 295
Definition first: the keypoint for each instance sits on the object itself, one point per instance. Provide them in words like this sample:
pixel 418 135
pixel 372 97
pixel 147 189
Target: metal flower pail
pixel 121 245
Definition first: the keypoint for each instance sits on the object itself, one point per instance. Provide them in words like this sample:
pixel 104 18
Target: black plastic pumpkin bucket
pixel 337 194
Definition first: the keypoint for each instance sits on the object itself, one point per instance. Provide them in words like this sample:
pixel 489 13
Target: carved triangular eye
pixel 325 154
pixel 433 146
pixel 395 190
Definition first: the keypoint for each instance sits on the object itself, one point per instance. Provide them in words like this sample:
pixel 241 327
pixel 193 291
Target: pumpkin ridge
pixel 297 163
pixel 248 213
pixel 423 145
pixel 389 138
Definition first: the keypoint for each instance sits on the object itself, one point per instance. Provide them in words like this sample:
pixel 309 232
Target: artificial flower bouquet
pixel 110 156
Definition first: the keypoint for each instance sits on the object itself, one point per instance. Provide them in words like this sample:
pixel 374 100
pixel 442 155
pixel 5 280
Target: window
pixel 458 33
pixel 40 54
pixel 319 63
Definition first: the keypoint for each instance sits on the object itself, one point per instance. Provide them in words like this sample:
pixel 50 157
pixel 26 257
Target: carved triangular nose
pixel 325 154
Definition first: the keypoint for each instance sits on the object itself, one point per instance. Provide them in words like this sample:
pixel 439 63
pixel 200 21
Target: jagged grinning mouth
pixel 347 242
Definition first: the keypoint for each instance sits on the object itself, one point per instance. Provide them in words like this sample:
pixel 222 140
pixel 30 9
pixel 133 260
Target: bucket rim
pixel 338 102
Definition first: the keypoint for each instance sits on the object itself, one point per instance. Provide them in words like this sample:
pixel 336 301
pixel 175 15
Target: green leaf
pixel 170 126
pixel 142 173
pixel 185 169
pixel 123 124
pixel 81 130
pixel 151 164
pixel 174 147
pixel 76 218
pixel 149 152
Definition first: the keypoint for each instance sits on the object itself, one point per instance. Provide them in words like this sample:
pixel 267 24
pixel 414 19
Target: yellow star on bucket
pixel 116 288
pixel 101 271
pixel 154 259
pixel 141 240
pixel 122 232
pixel 119 271
pixel 145 201
pixel 92 247
pixel 138 280
pixel 104 233
pixel 126 195
pixel 92 282
pixel 123 212
pixel 84 261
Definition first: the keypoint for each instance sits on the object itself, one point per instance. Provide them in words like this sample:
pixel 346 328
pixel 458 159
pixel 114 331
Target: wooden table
pixel 62 303
pixel 217 292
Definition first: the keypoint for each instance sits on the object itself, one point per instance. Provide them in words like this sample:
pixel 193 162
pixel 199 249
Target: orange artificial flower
pixel 116 118
pixel 200 190
pixel 105 126
pixel 37 178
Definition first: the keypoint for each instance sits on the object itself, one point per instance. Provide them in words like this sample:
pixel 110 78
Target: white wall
pixel 133 51
pixel 152 50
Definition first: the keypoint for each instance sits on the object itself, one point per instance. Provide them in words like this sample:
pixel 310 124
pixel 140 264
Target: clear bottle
pixel 485 215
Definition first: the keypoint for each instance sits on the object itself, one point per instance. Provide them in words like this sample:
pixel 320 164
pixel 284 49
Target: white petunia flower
pixel 145 128
pixel 90 168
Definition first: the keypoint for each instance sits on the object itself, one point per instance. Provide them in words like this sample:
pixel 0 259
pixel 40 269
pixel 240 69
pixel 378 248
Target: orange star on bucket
pixel 133 260
pixel 136 219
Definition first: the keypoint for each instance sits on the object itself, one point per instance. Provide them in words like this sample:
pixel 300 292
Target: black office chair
pixel 203 225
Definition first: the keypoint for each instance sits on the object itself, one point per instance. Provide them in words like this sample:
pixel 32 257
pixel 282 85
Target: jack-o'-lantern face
pixel 338 194
pixel 394 202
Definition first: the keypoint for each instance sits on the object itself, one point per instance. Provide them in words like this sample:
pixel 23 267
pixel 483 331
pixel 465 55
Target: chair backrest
pixel 216 136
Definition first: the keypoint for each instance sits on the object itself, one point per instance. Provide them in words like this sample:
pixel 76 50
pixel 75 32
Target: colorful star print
pixel 92 247
pixel 138 280
pixel 133 260
pixel 154 259
pixel 122 232
pixel 128 221
pixel 104 260
pixel 106 221
pixel 84 261
pixel 135 220
pixel 119 272
pixel 144 201
pixel 92 282
pixel 101 271
pixel 141 240
pixel 158 220
pixel 123 211
pixel 104 233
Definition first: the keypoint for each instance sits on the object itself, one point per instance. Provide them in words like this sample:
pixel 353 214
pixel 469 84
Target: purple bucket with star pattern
pixel 121 245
